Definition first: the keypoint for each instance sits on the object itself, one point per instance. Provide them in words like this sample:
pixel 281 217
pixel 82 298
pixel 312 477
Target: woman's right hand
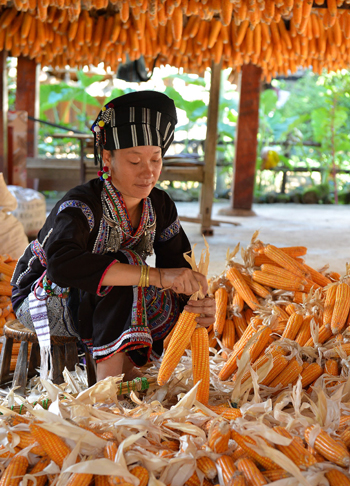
pixel 183 280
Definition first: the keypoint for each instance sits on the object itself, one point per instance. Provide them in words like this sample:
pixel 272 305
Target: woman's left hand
pixel 205 307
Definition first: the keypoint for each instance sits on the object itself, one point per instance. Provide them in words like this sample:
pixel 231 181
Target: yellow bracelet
pixel 142 276
pixel 147 276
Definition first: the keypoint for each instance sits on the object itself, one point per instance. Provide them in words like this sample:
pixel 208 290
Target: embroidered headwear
pixel 134 119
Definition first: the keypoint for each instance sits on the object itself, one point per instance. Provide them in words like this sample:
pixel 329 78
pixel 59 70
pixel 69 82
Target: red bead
pixel 105 169
pixel 99 173
pixel 109 178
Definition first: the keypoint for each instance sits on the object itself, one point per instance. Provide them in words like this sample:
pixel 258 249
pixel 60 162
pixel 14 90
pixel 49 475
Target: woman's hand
pixel 183 280
pixel 205 307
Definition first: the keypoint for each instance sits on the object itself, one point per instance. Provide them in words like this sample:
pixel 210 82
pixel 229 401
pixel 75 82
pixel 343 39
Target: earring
pixel 104 174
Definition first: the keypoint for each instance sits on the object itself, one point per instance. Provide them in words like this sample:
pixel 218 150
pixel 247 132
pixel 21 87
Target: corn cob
pixel 244 441
pixel 40 466
pixel 242 288
pixel 295 451
pixel 200 363
pixel 207 466
pixel 284 260
pixel 276 475
pixel 15 471
pixel 177 345
pixel 228 468
pixel 221 306
pixel 304 333
pixel 345 436
pixel 317 277
pixel 294 251
pixel 329 448
pixel 53 445
pixel 329 304
pixel 101 480
pixel 277 282
pixel 288 375
pixel 141 473
pixel 341 307
pixel 258 289
pixel 237 303
pixel 337 478
pixel 251 473
pixel 293 325
pixel 310 374
pixel 331 367
pixel 240 325
pixel 79 479
pixel 228 335
pixel 26 439
pixel 334 353
pixel 219 436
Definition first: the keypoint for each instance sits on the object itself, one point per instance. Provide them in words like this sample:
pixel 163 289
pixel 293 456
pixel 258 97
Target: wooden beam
pixel 27 98
pixel 246 138
pixel 210 150
pixel 3 115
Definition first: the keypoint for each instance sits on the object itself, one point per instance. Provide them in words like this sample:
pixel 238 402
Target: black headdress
pixel 134 119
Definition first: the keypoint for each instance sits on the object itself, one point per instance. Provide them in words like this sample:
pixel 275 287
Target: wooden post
pixel 246 142
pixel 210 150
pixel 3 115
pixel 27 98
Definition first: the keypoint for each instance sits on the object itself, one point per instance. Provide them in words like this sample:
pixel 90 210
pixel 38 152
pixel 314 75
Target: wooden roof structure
pixel 277 35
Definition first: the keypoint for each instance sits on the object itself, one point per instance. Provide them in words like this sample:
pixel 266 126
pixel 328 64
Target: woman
pixel 86 275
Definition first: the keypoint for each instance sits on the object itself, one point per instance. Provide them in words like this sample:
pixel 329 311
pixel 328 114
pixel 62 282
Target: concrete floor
pixel 324 230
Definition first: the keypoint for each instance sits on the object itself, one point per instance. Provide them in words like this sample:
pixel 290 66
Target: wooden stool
pixel 64 354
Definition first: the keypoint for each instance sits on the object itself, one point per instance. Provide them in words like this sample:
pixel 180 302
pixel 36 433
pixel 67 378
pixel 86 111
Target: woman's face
pixel 135 170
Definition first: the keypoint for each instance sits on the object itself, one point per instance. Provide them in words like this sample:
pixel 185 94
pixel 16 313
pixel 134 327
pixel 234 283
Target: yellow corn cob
pixel 101 481
pixel 79 479
pixel 220 314
pixel 231 413
pixel 53 445
pixel 207 466
pixel 288 375
pixel 284 260
pixel 242 288
pixel 238 479
pixel 172 445
pixel 180 339
pixel 15 471
pixel 229 334
pixel 329 304
pixel 212 339
pixel 294 251
pixel 290 309
pixel 200 363
pixel 26 439
pixel 293 325
pixel 277 282
pixel 275 351
pixel 141 473
pixel 299 297
pixel 344 421
pixel 337 478
pixel 228 468
pixel 317 277
pixel 316 455
pixel 278 271
pixel 304 333
pixel 345 436
pixel 40 466
pixel 295 451
pixel 279 363
pixel 331 367
pixel 251 473
pixel 110 450
pixel 258 289
pixel 341 307
pixel 231 364
pixel 219 436
pixel 276 475
pixel 329 448
pixel 323 335
pixel 240 325
pixel 244 441
pixel 310 374
pixel 237 302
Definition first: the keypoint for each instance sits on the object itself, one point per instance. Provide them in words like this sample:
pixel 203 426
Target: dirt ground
pixel 324 230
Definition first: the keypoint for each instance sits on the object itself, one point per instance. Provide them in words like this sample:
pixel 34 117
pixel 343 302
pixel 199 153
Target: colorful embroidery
pixel 170 231
pixel 39 252
pixel 80 205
